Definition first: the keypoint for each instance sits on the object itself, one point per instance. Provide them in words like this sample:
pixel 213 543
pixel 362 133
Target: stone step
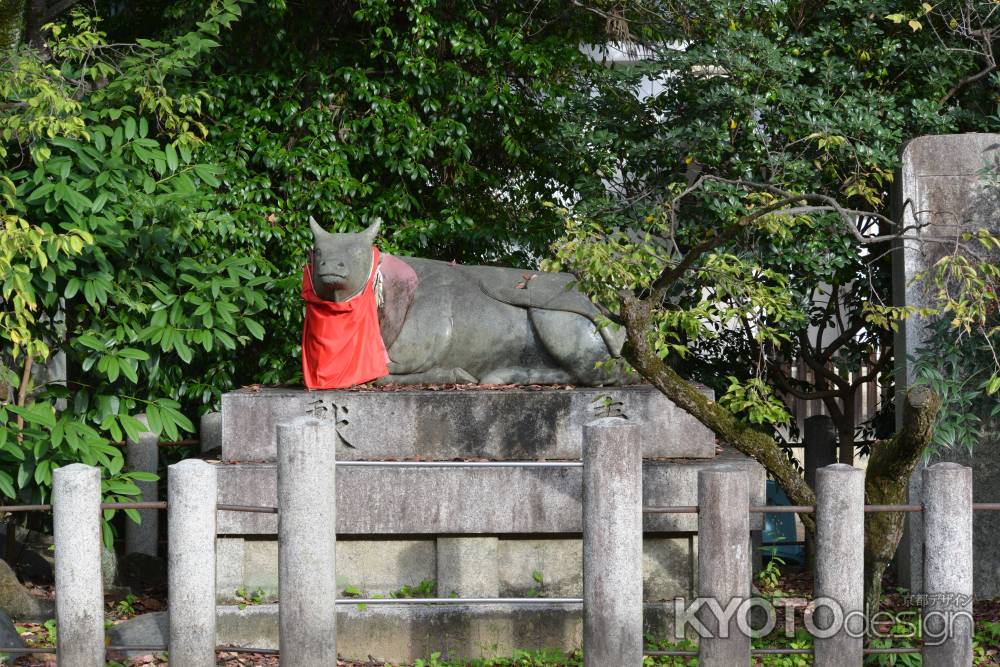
pixel 413 499
pixel 442 425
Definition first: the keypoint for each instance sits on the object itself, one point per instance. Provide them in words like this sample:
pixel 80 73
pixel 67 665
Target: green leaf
pixel 37 413
pixel 133 353
pixel 92 343
pixel 43 473
pixel 255 329
pixel 132 427
pixel 128 369
pixel 183 351
pixel 113 368
pixel 24 473
pixel 153 418
pixel 171 154
pixel 6 486
pixel 108 535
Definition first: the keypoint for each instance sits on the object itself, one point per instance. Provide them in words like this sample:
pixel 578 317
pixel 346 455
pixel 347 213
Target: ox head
pixel 341 262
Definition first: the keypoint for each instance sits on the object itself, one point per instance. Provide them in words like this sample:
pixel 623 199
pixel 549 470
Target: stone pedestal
pixel 482 530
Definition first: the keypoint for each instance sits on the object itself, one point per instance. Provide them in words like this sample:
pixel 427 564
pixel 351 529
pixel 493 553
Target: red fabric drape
pixel 341 341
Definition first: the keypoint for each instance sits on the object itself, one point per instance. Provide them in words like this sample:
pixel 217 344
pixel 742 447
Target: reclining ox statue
pixel 444 323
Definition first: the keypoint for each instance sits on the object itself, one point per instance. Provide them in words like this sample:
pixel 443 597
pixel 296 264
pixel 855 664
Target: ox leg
pixel 574 342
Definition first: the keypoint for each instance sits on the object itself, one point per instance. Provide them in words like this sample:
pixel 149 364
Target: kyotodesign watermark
pixel 941 616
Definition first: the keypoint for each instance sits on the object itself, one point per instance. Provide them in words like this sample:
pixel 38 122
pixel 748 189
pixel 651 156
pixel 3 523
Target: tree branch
pixel 966 81
pixel 670 274
pixel 760 446
pixel 819 368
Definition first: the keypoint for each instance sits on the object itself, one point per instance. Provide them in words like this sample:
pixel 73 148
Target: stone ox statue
pixel 445 323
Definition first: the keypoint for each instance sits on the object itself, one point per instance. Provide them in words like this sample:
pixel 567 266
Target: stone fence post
pixel 191 522
pixel 76 509
pixel 723 564
pixel 307 544
pixel 840 557
pixel 143 455
pixel 612 543
pixel 948 625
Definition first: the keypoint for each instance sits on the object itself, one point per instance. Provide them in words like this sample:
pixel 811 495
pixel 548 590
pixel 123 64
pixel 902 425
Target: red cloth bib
pixel 341 341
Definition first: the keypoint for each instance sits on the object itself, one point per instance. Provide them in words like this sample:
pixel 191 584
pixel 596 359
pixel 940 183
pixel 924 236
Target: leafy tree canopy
pixel 738 218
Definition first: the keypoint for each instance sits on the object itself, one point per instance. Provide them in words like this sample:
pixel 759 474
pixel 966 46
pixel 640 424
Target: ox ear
pixel 371 233
pixel 318 232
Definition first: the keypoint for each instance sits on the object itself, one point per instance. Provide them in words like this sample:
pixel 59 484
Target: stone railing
pixel 612 523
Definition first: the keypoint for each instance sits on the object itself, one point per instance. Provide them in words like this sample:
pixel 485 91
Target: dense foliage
pixel 754 102
pixel 748 222
pixel 440 118
pixel 110 253
pixel 159 167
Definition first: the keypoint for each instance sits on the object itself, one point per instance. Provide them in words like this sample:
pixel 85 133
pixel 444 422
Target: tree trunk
pixel 11 23
pixel 889 468
pixel 759 446
pixel 891 464
pixel 35 21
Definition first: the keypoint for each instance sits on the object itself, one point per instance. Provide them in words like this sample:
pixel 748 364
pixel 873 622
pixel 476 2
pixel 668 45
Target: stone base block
pixel 483 500
pixel 442 425
pixel 521 567
pixel 404 633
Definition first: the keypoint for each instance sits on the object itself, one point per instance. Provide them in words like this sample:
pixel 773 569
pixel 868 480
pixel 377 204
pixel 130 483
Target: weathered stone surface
pixel 375 567
pixel 17 601
pixel 948 571
pixel 467 567
pixel 669 567
pixel 76 520
pixel 230 567
pixel 422 499
pixel 143 455
pixel 8 633
pixel 723 562
pixel 307 544
pixel 210 432
pixel 840 541
pixel 940 187
pixel 403 633
pixel 612 543
pixel 150 629
pixel 191 516
pixel 985 464
pixel 443 425
pixel 559 561
pixel 381 566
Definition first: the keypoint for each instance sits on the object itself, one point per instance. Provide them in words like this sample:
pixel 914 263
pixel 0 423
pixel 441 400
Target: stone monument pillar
pixel 941 188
